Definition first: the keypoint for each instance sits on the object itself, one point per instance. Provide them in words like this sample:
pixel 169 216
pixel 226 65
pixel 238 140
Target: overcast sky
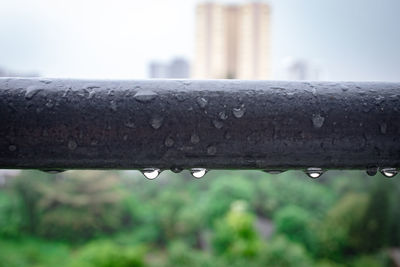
pixel 347 39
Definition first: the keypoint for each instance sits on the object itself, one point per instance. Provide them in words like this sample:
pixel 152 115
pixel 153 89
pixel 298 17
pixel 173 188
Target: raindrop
pixel 314 173
pixel 150 173
pixel 53 171
pixel 239 112
pixel 169 142
pixel 383 127
pixel 195 139
pixel 31 91
pixel 129 124
pixel 156 122
pixel 50 104
pixel 218 124
pixel 12 148
pixel 176 169
pixel 318 120
pixel 198 172
pixel 72 145
pixel 45 81
pixel 91 94
pixel 211 150
pixel 371 171
pixel 145 96
pixel 227 135
pixel 223 115
pixel 274 171
pixel 389 172
pixel 113 105
pixel 202 102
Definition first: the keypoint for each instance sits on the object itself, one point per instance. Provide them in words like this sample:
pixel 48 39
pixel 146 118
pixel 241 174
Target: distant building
pixel 232 41
pixel 178 68
pixel 6 73
pixel 299 69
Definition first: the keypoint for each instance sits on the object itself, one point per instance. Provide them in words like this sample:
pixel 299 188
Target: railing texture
pixel 53 124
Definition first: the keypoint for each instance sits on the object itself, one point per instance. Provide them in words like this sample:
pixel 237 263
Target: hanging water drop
pixel 389 172
pixel 151 173
pixel 274 171
pixel 314 173
pixel 198 172
pixel 169 142
pixel 371 171
pixel 53 171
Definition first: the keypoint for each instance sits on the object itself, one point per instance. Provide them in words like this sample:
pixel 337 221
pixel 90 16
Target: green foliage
pixel 281 252
pixel 107 254
pixel 11 221
pixel 295 223
pixel 235 235
pixel 181 255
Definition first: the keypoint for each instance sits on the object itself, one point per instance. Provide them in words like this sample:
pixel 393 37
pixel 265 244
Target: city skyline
pixel 96 39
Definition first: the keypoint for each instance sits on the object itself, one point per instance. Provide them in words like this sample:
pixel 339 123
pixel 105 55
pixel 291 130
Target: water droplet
pixel 91 94
pixel 239 112
pixel 389 172
pixel 223 115
pixel 371 171
pixel 12 148
pixel 318 120
pixel 129 124
pixel 202 102
pixel 31 91
pixel 314 173
pixel 383 127
pixel 344 88
pixel 145 96
pixel 198 172
pixel 169 142
pixel 227 135
pixel 53 171
pixel 151 173
pixel 195 139
pixel 156 122
pixel 72 145
pixel 49 104
pixel 218 124
pixel 45 81
pixel 274 171
pixel 211 150
pixel 176 169
pixel 113 105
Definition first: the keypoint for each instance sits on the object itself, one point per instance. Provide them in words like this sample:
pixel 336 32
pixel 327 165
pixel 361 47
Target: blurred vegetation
pixel 118 218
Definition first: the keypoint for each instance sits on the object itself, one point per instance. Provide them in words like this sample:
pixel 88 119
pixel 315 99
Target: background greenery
pixel 228 218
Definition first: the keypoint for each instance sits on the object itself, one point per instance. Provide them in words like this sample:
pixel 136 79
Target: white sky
pixel 348 39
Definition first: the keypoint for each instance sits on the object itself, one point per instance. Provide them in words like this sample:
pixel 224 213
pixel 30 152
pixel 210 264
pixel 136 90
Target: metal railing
pixel 54 124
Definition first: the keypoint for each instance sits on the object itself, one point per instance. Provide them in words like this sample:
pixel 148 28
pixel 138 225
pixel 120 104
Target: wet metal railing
pixel 54 124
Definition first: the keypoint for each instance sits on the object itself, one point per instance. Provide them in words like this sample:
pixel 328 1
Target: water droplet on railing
pixel 198 172
pixel 222 115
pixel 156 122
pixel 195 139
pixel 151 173
pixel 31 91
pixel 202 102
pixel 72 145
pixel 176 169
pixel 314 173
pixel 12 148
pixel 218 124
pixel 274 171
pixel 145 96
pixel 371 171
pixel 317 120
pixel 113 105
pixel 53 171
pixel 239 112
pixel 383 127
pixel 389 172
pixel 169 141
pixel 211 150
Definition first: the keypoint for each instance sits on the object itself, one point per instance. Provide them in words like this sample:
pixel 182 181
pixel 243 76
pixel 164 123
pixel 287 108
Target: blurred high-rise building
pixel 232 41
pixel 178 68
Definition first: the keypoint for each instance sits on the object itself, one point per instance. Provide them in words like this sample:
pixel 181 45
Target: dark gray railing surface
pixel 182 124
